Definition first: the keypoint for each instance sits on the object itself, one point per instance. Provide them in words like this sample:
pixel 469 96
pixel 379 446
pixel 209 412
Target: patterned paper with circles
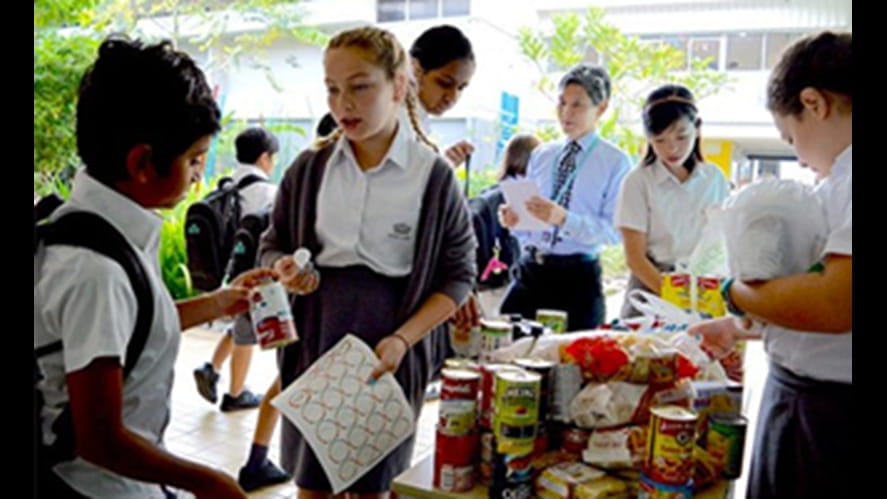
pixel 349 424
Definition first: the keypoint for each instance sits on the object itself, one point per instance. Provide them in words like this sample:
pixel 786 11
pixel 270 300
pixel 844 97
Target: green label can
pixel 556 320
pixel 726 441
pixel 516 410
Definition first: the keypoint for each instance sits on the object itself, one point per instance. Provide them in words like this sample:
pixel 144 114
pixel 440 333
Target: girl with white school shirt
pixel 661 208
pixel 392 236
pixel 803 445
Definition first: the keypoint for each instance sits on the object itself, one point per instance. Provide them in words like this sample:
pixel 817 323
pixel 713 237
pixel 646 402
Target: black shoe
pixel 267 474
pixel 206 378
pixel 246 400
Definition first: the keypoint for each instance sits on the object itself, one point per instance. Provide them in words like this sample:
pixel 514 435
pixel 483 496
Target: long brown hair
pixel 517 156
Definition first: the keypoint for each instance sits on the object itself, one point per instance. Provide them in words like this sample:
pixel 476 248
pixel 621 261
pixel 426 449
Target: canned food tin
pixel 459 384
pixel 454 462
pixel 272 316
pixel 487 385
pixel 669 458
pixel 726 441
pixel 457 417
pixel 545 369
pixel 493 336
pixel 516 410
pixel 556 320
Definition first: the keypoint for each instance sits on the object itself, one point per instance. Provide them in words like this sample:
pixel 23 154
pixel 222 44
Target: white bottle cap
pixel 302 256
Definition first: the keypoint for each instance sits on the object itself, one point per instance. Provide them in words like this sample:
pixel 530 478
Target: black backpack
pixel 210 228
pixel 89 231
pixel 490 236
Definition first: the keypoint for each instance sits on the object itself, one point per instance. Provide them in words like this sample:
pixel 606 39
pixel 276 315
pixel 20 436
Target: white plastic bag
pixel 773 228
pixel 653 306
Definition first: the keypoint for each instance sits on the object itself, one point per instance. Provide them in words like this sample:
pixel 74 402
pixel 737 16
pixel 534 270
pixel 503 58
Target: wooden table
pixel 416 483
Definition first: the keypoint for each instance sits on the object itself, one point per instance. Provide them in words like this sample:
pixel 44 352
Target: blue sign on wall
pixel 508 118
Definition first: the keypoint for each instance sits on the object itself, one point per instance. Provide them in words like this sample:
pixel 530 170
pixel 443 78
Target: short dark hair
pixel 141 94
pixel 594 79
pixel 253 142
pixel 664 106
pixel 822 61
pixel 438 46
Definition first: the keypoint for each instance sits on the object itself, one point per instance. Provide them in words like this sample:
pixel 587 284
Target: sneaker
pixel 267 474
pixel 206 378
pixel 246 400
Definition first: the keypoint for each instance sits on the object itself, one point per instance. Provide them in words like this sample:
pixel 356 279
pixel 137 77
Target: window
pixel 680 43
pixel 744 51
pixel 455 8
pixel 776 43
pixel 423 9
pixel 405 10
pixel 703 48
pixel 391 10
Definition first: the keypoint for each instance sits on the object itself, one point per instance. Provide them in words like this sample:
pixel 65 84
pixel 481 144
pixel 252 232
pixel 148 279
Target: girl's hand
pixel 507 217
pixel 233 299
pixel 299 281
pixel 390 351
pixel 457 152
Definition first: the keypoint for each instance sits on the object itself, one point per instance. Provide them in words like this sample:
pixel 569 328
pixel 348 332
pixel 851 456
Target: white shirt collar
pixel 245 169
pixel 397 152
pixel 138 224
pixel 844 161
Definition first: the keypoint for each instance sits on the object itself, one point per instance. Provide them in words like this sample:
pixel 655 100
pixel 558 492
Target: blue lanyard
pixel 559 196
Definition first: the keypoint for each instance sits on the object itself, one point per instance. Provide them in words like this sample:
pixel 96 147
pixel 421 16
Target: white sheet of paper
pixel 517 193
pixel 349 424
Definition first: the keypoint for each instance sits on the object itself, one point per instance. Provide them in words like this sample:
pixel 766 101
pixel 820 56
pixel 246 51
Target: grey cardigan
pixel 445 251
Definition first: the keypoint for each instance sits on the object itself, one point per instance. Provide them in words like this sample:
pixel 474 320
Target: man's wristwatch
pixel 728 300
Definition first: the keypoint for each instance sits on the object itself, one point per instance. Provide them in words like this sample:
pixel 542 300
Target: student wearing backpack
pixel 256 149
pixel 145 117
pixel 496 245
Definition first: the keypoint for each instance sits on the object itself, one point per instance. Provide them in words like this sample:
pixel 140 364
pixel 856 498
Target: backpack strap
pixel 90 231
pixel 248 181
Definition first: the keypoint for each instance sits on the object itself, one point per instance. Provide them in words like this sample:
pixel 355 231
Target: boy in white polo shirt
pixel 145 117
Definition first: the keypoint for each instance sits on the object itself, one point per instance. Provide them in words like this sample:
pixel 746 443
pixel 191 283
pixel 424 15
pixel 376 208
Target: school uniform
pixel 559 268
pixel 85 300
pixel 670 212
pixel 804 440
pixel 385 239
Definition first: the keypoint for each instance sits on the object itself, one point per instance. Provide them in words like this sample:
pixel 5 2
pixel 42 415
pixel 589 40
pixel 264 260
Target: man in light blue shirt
pixel 580 176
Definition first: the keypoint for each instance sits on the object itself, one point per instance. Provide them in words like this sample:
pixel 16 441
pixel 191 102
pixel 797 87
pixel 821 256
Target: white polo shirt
pixel 670 212
pixel 86 300
pixel 371 217
pixel 257 196
pixel 826 357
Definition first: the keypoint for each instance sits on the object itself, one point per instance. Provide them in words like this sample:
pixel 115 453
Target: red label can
pixel 459 384
pixel 454 462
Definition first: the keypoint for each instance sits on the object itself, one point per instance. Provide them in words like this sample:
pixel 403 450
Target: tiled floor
pixel 201 432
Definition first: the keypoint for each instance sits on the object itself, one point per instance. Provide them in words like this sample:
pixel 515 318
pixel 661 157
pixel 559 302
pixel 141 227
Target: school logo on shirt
pixel 400 231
